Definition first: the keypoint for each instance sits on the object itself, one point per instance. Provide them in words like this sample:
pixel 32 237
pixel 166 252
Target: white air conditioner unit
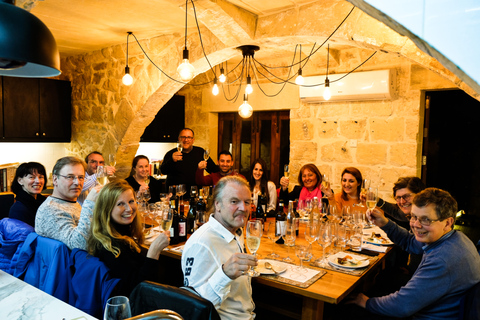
pixel 357 86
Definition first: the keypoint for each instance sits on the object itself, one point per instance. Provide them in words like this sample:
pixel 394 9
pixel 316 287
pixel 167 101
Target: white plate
pixel 376 241
pixel 333 260
pixel 279 268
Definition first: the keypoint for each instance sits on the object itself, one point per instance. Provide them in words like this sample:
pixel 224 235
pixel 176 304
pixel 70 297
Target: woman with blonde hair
pixel 117 238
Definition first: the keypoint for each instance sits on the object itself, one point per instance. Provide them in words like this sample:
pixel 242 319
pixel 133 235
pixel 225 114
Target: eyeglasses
pixel 405 197
pixel 186 138
pixel 423 221
pixel 72 177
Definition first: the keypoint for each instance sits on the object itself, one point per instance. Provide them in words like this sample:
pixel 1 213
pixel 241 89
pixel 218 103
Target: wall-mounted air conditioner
pixel 357 86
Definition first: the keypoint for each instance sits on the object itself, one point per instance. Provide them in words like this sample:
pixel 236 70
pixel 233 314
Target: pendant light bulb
pixel 127 78
pixel 245 110
pixel 215 89
pixel 185 70
pixel 249 88
pixel 299 80
pixel 222 78
pixel 327 94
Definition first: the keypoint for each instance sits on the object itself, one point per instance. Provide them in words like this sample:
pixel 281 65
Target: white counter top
pixel 19 300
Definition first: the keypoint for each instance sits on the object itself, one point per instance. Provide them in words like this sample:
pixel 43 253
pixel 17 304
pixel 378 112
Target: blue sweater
pixel 449 267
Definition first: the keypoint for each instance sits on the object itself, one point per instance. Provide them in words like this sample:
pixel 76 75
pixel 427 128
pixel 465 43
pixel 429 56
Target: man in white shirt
pixel 93 160
pixel 214 260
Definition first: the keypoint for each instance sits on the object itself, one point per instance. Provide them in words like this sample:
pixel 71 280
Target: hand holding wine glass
pixel 254 235
pixel 177 156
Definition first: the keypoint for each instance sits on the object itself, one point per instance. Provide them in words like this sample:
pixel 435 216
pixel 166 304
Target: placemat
pixel 355 272
pixel 301 284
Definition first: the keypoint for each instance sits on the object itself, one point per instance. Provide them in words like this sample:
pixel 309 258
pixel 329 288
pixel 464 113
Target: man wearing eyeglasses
pixel 450 264
pixel 180 167
pixel 61 217
pixel 93 160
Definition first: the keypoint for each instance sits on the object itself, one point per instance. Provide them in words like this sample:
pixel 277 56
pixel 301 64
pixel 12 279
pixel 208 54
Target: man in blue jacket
pixel 450 264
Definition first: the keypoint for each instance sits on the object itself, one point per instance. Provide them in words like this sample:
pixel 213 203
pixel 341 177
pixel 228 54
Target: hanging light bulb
pixel 249 88
pixel 299 80
pixel 222 78
pixel 326 93
pixel 215 90
pixel 185 70
pixel 127 78
pixel 245 110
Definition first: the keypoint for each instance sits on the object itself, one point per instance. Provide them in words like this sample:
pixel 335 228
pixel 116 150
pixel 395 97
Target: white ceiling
pixel 81 26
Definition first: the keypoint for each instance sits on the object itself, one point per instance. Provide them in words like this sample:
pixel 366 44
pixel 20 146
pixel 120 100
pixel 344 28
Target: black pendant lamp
pixel 27 48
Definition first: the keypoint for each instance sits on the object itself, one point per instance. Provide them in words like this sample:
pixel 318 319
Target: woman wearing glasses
pixel 117 237
pixel 403 192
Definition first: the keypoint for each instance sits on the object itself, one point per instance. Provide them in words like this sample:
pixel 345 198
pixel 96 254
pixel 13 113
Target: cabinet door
pixel 20 109
pixel 167 123
pixel 55 110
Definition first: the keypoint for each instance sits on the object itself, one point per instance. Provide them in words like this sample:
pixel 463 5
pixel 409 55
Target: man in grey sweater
pixel 61 217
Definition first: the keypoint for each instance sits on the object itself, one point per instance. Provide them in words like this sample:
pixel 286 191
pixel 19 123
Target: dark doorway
pixel 452 149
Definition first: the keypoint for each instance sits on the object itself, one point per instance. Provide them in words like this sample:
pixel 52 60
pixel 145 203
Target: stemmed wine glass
pixel 311 232
pixel 302 252
pixel 167 217
pixel 289 237
pixel 146 195
pixel 325 184
pixel 102 175
pixel 363 191
pixel 273 235
pixel 342 235
pixel 151 213
pixel 181 190
pixel 179 146
pixel 324 239
pixel 112 162
pixel 372 199
pixel 193 192
pixel 206 154
pixel 117 308
pixel 254 235
pixel 286 171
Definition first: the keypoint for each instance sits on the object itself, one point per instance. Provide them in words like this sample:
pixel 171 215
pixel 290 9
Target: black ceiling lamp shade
pixel 27 48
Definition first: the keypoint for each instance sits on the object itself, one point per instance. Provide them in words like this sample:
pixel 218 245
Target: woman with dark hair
pixel 350 195
pixel 310 180
pixel 259 183
pixel 117 237
pixel 140 178
pixel 30 180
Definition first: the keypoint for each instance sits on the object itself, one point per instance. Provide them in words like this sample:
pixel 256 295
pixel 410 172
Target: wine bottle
pixel 280 223
pixel 291 215
pixel 201 205
pixel 259 213
pixel 253 214
pixel 192 214
pixel 182 226
pixel 174 228
pixel 297 216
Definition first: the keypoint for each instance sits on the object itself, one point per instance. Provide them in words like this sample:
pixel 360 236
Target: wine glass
pixel 254 234
pixel 372 199
pixel 289 238
pixel 151 213
pixel 181 190
pixel 286 170
pixel 302 252
pixel 163 197
pixel 274 233
pixel 363 191
pixel 193 192
pixel 342 235
pixel 101 175
pixel 179 146
pixel 324 239
pixel 325 184
pixel 311 232
pixel 146 195
pixel 167 218
pixel 117 308
pixel 206 154
pixel 112 162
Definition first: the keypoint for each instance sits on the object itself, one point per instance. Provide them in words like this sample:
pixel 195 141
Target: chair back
pixel 149 296
pixel 470 305
pixel 13 233
pixel 158 314
pixel 6 201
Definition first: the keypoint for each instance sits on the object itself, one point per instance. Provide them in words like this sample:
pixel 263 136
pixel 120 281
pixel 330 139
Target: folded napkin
pixel 373 247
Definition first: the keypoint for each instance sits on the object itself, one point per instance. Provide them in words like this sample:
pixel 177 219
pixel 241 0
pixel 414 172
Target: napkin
pixel 373 247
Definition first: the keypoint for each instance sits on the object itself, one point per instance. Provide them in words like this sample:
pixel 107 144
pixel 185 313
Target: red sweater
pixel 211 179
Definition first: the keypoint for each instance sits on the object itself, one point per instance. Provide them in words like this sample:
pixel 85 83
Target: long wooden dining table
pixel 331 288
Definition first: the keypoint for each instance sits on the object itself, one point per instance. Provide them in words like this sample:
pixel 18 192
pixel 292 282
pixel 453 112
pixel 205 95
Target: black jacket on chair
pixel 149 296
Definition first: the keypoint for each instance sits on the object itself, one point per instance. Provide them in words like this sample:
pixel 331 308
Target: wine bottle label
pixel 182 229
pixel 280 228
pixel 172 232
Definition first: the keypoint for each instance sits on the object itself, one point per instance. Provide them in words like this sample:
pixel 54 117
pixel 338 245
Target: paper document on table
pixel 294 272
pixel 375 248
